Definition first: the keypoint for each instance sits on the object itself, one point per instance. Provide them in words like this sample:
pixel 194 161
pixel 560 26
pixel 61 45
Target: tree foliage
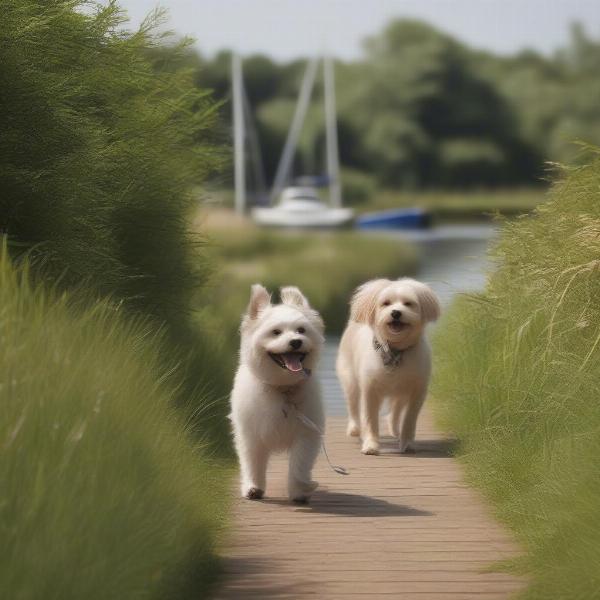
pixel 421 109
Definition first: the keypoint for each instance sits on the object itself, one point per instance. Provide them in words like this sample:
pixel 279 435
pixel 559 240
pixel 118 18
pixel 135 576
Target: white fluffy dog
pixel 384 354
pixel 275 399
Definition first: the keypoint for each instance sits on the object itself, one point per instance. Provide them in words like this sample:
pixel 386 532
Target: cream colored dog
pixel 384 354
pixel 276 400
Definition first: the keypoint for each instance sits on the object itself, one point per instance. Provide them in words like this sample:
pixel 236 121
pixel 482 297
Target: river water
pixel 452 260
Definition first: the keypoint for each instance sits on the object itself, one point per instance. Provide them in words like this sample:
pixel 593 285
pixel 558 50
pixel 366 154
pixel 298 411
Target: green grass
pixel 459 206
pixel 104 492
pixel 518 380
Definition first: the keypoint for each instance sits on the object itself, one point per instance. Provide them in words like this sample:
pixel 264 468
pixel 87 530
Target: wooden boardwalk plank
pixel 399 526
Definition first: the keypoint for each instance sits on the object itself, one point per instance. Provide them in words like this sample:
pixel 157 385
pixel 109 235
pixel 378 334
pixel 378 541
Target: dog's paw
pixel 300 491
pixel 301 499
pixel 254 494
pixel 353 430
pixel 370 447
pixel 407 448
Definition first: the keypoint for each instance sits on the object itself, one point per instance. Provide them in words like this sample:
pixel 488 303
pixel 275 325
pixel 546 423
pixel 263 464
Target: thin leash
pixel 310 424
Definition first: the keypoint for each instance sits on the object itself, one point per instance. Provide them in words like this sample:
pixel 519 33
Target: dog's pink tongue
pixel 292 362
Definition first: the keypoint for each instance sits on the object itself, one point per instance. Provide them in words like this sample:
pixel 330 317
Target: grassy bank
pixel 327 266
pixel 104 492
pixel 459 206
pixel 518 380
pixel 112 429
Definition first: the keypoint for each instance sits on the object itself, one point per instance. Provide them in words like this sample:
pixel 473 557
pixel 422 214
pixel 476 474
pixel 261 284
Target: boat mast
pixel 285 163
pixel 238 134
pixel 333 160
pixel 254 152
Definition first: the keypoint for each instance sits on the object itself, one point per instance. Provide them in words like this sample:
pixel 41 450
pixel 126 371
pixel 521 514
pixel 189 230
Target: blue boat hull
pixel 409 218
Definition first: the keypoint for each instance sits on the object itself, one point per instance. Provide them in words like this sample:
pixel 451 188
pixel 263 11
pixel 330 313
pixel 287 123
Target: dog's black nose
pixel 396 314
pixel 295 344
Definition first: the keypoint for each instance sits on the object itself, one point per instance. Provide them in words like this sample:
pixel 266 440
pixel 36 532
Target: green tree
pixel 429 118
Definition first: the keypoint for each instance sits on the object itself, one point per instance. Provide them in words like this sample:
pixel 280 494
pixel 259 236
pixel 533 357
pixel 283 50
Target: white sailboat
pixel 302 207
pixel 295 206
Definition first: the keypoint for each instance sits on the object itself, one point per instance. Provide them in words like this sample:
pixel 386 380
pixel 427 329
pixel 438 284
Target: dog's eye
pixel 409 304
pixel 386 303
pixel 276 331
pixel 300 330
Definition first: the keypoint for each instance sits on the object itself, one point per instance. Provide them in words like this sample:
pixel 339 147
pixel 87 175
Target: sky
pixel 286 29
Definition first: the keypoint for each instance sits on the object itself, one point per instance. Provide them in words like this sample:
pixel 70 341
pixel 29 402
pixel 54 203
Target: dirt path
pixel 397 527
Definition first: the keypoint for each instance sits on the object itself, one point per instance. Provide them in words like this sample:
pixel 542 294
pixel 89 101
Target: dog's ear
pixel 293 296
pixel 428 301
pixel 259 300
pixel 363 303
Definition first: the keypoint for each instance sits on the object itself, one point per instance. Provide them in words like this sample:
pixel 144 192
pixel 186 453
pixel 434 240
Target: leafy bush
pixel 99 152
pixel 518 379
pixel 103 494
pixel 103 141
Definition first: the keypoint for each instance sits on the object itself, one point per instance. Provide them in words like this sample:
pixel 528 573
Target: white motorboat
pixel 302 207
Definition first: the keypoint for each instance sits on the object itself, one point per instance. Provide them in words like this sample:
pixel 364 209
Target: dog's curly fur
pixel 280 346
pixel 387 318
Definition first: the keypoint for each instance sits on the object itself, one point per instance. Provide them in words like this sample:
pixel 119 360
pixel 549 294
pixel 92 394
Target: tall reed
pixel 105 493
pixel 518 380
